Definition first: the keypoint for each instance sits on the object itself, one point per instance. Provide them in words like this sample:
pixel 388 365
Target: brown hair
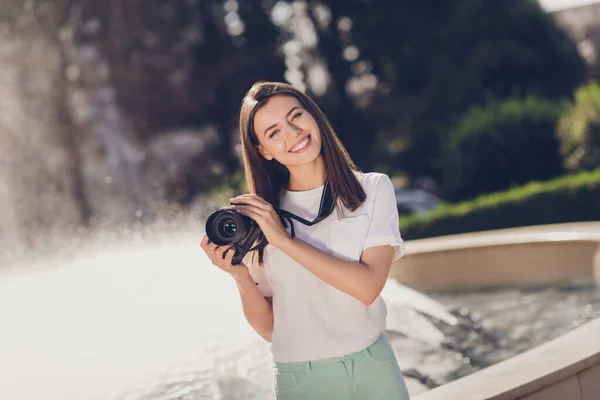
pixel 269 178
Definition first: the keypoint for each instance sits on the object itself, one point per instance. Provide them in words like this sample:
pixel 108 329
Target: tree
pixel 579 129
pixel 42 181
pixel 350 122
pixel 435 59
pixel 506 143
pixel 187 64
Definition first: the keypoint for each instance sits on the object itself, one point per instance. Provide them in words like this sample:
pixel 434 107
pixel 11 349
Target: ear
pixel 264 152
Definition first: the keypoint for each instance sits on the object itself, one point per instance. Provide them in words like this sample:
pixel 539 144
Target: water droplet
pixel 231 5
pixel 73 73
pixel 345 24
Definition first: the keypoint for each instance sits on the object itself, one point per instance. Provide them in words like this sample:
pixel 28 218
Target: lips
pixel 301 145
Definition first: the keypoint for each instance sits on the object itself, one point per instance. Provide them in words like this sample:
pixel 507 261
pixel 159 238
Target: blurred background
pixel 120 115
pixel 118 118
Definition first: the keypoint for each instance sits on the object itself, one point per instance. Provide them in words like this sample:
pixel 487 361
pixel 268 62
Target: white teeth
pixel 300 145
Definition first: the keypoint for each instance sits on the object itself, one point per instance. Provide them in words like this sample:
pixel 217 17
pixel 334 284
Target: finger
pixel 255 198
pixel 250 208
pixel 252 200
pixel 212 250
pixel 212 247
pixel 220 251
pixel 250 195
pixel 229 256
pixel 250 213
pixel 205 242
pixel 209 248
pixel 222 255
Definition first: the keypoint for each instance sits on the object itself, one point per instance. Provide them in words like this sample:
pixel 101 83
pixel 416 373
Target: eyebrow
pixel 286 115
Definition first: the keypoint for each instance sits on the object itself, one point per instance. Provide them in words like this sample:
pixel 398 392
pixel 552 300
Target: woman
pixel 314 295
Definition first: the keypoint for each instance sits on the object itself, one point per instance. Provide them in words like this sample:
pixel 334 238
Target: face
pixel 287 132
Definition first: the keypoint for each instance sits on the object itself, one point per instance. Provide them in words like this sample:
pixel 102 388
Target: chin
pixel 306 158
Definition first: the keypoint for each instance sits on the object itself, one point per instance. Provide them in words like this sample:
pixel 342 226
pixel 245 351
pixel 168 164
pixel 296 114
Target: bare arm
pixel 258 310
pixel 362 280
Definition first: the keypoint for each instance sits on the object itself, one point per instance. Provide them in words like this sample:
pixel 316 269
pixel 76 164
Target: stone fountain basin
pixel 566 368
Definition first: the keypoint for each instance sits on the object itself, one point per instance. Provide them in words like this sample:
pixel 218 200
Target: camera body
pixel 225 226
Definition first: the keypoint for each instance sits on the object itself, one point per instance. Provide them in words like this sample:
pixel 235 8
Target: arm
pixel 362 280
pixel 258 309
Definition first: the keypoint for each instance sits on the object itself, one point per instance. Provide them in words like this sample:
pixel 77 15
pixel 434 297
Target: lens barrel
pixel 225 226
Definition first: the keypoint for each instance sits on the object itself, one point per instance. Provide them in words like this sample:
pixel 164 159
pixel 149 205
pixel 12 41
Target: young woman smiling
pixel 315 296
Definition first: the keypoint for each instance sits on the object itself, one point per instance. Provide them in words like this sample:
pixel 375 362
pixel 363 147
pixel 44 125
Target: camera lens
pixel 227 228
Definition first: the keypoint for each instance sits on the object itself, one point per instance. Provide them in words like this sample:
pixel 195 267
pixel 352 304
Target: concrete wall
pixel 567 368
pixel 508 257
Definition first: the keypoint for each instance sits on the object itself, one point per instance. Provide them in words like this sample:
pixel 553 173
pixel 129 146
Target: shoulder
pixel 374 181
pixel 379 190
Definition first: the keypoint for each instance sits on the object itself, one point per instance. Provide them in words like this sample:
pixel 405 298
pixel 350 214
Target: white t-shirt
pixel 312 319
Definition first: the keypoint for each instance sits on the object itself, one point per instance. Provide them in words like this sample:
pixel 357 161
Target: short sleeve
pixel 384 228
pixel 260 274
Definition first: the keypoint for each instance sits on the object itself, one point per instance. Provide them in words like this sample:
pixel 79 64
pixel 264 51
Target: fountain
pixel 154 320
pixel 157 316
pixel 567 367
pixel 150 318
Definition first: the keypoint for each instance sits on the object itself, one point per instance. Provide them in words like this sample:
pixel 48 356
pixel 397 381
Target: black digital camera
pixel 226 226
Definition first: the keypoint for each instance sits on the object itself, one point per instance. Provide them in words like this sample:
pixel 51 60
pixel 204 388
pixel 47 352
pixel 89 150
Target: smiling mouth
pixel 303 145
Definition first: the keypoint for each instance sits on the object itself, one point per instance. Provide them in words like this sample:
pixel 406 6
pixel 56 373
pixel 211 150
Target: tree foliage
pixel 435 59
pixel 128 77
pixel 419 66
pixel 579 129
pixel 504 144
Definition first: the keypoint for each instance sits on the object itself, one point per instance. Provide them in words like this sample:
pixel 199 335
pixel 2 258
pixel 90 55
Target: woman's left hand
pixel 255 207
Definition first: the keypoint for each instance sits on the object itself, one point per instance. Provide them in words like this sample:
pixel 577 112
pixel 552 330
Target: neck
pixel 307 176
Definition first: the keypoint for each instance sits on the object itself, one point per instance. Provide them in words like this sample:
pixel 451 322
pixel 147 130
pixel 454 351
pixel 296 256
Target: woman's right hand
pixel 221 257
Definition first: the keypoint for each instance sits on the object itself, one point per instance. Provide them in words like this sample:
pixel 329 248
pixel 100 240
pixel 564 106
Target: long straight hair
pixel 269 178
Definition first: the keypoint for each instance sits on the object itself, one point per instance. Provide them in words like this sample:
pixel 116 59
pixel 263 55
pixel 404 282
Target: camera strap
pixel 326 207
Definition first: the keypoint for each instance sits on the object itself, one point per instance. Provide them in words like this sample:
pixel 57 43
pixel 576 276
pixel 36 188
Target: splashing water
pixel 110 319
pixel 106 323
pixel 156 321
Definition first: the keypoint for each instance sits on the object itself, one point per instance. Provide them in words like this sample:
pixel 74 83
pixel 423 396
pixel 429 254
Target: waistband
pixel 303 365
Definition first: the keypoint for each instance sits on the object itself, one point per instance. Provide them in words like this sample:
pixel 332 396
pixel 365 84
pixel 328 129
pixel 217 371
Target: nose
pixel 295 128
pixel 293 132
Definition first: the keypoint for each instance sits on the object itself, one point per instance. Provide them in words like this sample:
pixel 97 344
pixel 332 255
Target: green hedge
pixel 570 198
pixel 501 145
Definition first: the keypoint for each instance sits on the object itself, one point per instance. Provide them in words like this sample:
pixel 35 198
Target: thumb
pixel 229 253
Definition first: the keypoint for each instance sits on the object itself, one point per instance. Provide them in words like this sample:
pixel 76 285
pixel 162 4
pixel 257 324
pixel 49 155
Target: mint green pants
pixel 370 374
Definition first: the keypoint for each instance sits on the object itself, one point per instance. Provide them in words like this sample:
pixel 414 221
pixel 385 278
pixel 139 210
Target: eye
pixel 273 133
pixel 296 115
